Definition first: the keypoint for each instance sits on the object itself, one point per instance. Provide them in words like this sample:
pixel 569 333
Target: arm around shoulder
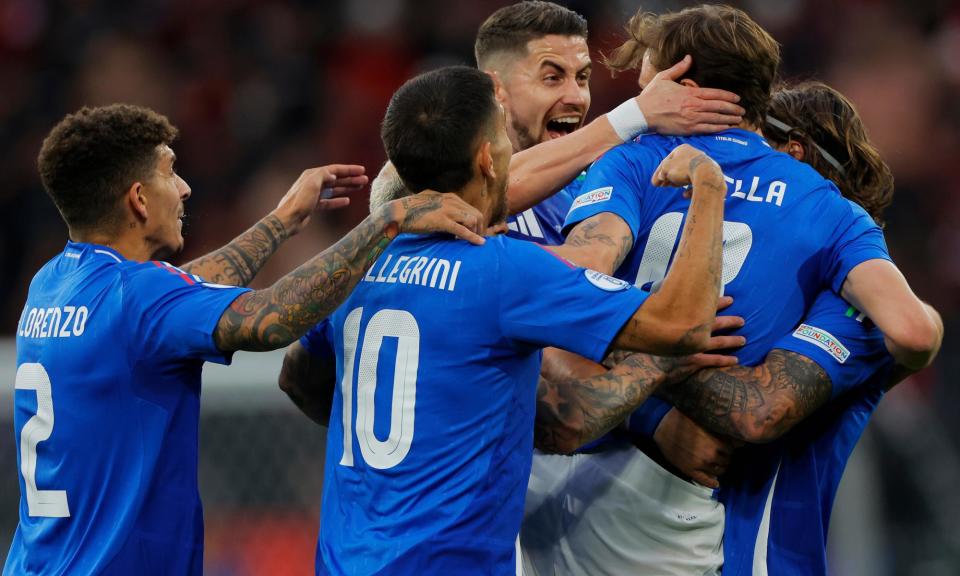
pixel 913 329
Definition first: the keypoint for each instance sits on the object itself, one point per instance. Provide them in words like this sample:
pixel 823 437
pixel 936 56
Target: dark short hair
pixel 730 51
pixel 817 114
pixel 510 28
pixel 433 125
pixel 91 157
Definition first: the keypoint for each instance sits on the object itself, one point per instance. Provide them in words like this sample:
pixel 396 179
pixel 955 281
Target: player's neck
pixel 477 194
pixel 749 127
pixel 130 246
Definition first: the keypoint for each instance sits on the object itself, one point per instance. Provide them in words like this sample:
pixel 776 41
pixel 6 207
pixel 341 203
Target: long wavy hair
pixel 816 115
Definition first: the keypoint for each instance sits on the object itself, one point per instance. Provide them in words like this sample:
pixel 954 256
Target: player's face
pixel 501 150
pixel 547 93
pixel 166 192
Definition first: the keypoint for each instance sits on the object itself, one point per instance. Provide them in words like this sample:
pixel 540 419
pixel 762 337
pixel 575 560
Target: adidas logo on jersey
pixel 526 223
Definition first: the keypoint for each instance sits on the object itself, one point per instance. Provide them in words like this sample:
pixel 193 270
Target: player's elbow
pixel 558 435
pixel 565 443
pixel 760 432
pixel 293 361
pixel 915 342
pixel 765 423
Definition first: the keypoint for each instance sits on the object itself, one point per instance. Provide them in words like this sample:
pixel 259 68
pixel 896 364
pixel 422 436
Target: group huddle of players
pixel 560 399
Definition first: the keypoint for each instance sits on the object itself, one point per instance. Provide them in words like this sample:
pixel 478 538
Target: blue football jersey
pixel 431 433
pixel 788 232
pixel 318 341
pixel 779 496
pixel 543 223
pixel 106 412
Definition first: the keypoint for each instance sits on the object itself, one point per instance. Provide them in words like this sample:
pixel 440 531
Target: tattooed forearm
pixel 572 412
pixel 605 235
pixel 274 317
pixel 757 404
pixel 239 261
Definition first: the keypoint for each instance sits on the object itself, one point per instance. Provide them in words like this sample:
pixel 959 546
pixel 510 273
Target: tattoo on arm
pixel 572 412
pixel 274 317
pixel 593 232
pixel 757 404
pixel 239 261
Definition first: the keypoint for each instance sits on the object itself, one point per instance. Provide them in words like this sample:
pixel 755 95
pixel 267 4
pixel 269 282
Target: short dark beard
pixel 524 138
pixel 500 211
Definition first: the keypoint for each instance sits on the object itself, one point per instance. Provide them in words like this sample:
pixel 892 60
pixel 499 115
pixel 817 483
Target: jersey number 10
pixel 401 325
pixel 737 241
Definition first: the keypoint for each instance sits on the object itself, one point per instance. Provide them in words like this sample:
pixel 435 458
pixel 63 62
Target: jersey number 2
pixel 399 324
pixel 737 241
pixel 44 503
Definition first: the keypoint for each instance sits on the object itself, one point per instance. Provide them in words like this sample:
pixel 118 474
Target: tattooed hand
pixel 681 165
pixel 315 190
pixel 427 212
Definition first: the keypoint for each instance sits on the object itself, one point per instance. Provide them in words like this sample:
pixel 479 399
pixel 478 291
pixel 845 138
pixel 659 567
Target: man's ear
pixel 498 90
pixel 796 149
pixel 137 200
pixel 485 161
pixel 689 83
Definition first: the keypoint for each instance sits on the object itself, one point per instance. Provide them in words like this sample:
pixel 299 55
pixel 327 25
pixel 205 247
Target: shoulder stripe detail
pixel 174 271
pixel 108 253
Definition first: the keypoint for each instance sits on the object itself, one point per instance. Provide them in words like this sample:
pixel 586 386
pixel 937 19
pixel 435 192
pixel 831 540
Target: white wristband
pixel 628 120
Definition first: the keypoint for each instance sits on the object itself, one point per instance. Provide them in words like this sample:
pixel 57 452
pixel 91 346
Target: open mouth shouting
pixel 562 125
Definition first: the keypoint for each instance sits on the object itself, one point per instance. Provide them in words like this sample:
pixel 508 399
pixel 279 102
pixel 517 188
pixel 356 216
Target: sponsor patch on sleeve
pixel 592 197
pixel 824 340
pixel 604 282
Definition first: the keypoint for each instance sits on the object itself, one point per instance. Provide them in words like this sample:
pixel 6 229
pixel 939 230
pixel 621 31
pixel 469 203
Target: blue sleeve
pixel 644 420
pixel 174 313
pixel 840 340
pixel 573 308
pixel 318 341
pixel 860 239
pixel 615 183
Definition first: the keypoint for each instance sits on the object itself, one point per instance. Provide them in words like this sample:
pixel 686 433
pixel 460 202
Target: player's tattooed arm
pixel 309 381
pixel 239 261
pixel 600 243
pixel 274 317
pixel 753 404
pixel 576 405
pixel 677 319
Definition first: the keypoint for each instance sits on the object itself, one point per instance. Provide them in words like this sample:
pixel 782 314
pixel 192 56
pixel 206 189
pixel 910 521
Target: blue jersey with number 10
pixel 787 231
pixel 431 432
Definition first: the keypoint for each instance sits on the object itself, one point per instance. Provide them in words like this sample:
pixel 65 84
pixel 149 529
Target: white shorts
pixel 617 512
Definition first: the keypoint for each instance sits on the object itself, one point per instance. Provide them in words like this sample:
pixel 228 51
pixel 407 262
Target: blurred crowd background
pixel 262 90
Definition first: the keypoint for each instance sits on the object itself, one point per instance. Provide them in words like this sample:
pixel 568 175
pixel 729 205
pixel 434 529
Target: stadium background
pixel 262 90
